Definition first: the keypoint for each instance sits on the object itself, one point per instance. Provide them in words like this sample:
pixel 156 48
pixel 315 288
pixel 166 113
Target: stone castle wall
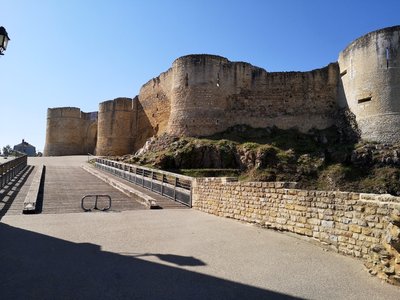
pixel 204 94
pixel 154 107
pixel 366 226
pixel 116 125
pixel 211 94
pixel 70 131
pixel 370 75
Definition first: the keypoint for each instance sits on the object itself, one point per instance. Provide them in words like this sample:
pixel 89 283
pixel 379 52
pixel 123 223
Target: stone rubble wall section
pixel 365 226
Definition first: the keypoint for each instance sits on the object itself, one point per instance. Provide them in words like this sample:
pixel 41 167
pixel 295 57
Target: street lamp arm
pixel 4 38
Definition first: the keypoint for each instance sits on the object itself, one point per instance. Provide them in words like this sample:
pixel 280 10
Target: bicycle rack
pixel 95 202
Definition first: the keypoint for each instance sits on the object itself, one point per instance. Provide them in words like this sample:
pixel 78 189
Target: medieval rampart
pixel 154 107
pixel 211 94
pixel 370 74
pixel 116 127
pixel 204 94
pixel 70 131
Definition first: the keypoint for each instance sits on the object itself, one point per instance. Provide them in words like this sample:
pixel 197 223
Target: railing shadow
pixel 11 190
pixel 178 260
pixel 36 266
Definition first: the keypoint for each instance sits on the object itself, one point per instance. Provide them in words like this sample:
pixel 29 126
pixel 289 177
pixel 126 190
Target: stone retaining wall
pixel 362 225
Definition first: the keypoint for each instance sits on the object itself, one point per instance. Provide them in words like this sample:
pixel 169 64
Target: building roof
pixel 25 144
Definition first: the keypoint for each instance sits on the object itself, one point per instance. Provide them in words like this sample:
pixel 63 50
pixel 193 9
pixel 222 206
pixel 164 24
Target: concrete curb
pixel 144 199
pixel 32 195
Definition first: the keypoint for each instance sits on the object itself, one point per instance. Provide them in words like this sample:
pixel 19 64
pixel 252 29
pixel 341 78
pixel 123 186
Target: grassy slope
pixel 319 160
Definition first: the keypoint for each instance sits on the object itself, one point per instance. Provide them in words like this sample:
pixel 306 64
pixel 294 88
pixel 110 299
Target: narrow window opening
pixel 387 57
pixel 218 80
pixel 363 100
pixel 187 80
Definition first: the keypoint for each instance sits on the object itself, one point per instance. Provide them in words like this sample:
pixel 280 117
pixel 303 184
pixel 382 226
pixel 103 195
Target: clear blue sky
pixel 82 52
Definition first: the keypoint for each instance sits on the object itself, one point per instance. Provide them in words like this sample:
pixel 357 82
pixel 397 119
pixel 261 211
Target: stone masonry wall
pixel 366 226
pixel 370 79
pixel 211 94
pixel 154 107
pixel 70 131
pixel 116 123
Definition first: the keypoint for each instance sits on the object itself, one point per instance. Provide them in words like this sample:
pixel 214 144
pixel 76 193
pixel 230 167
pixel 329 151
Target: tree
pixel 7 150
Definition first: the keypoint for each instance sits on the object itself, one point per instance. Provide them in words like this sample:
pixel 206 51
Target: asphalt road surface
pixel 169 254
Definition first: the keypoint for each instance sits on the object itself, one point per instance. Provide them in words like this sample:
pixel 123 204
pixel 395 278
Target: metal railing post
pixel 151 181
pixel 162 184
pixel 175 183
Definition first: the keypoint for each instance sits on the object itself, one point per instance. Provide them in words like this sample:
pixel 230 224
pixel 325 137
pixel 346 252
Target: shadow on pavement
pixel 10 191
pixel 178 260
pixel 36 266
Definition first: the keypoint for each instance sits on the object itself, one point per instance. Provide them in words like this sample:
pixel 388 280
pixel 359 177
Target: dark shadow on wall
pixel 142 129
pixel 36 266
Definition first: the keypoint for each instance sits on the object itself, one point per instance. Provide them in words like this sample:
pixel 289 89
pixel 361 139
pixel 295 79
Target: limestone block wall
pixel 116 126
pixel 154 107
pixel 366 226
pixel 370 78
pixel 210 94
pixel 70 131
pixel 204 94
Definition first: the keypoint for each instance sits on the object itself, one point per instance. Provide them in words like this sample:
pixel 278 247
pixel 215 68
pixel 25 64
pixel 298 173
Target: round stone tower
pixel 70 131
pixel 198 95
pixel 370 78
pixel 115 127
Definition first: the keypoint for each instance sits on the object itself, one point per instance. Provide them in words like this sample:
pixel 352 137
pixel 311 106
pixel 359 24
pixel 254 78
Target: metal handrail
pixel 10 169
pixel 167 184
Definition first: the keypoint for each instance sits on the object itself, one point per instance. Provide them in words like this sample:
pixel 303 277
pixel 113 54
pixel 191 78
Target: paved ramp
pixel 12 196
pixel 161 201
pixel 64 187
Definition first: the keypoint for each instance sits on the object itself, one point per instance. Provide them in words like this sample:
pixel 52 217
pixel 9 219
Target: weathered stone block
pixel 327 224
pixel 355 228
